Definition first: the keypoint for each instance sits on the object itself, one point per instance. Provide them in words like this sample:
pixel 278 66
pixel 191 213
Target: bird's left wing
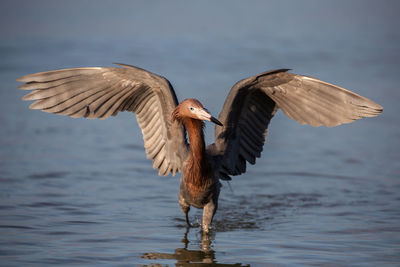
pixel 252 103
pixel 101 92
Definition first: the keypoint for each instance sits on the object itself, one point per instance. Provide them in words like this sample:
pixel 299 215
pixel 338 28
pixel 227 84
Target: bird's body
pixel 241 126
pixel 200 185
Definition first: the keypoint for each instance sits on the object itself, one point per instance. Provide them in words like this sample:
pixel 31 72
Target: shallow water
pixel 80 192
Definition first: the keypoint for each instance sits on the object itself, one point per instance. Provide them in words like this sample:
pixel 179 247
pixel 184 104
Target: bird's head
pixel 193 109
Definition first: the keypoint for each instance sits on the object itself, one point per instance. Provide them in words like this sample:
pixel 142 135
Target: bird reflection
pixel 188 257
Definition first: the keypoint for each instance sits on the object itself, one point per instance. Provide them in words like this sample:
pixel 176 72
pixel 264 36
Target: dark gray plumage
pixel 100 92
pixel 253 102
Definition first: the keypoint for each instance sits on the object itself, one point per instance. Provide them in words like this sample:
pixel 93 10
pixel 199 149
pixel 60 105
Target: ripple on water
pixel 48 175
pixel 22 227
pixel 254 212
pixel 44 204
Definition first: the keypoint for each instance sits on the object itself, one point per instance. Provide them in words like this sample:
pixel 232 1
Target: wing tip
pixel 121 64
pixel 23 79
pixel 129 66
pixel 36 105
pixel 28 97
pixel 270 72
pixel 378 109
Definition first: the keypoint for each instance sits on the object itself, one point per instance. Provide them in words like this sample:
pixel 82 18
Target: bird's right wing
pixel 100 92
pixel 252 103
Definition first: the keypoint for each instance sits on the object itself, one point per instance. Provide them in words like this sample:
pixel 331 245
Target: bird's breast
pixel 199 196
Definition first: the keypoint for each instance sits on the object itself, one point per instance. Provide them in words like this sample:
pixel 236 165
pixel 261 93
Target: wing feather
pixel 54 75
pixel 311 101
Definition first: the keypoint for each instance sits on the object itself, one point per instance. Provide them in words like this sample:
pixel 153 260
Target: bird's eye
pixel 191 108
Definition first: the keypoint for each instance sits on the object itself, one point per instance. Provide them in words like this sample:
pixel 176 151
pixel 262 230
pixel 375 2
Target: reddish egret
pixel 100 92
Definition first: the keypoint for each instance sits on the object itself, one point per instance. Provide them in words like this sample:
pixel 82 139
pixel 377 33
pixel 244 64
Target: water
pixel 80 192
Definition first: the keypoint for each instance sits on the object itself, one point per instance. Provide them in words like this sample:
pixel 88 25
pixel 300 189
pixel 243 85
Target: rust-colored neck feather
pixel 198 174
pixel 197 171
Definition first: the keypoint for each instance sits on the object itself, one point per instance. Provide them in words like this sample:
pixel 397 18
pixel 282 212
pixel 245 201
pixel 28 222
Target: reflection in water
pixel 239 212
pixel 187 257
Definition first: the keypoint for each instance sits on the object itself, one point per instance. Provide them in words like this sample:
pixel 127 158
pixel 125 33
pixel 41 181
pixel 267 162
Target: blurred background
pixel 76 191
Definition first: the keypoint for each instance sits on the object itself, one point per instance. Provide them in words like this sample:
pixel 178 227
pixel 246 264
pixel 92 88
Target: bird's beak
pixel 214 120
pixel 204 115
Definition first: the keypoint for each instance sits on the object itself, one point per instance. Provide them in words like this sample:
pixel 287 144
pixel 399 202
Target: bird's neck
pixel 196 139
pixel 197 171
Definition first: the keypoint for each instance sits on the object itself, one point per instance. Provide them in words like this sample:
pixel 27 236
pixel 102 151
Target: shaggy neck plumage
pixel 197 171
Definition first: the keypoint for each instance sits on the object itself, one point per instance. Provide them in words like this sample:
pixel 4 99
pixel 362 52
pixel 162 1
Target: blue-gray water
pixel 81 192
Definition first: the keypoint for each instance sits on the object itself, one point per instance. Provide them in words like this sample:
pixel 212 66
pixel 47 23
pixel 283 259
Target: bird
pixel 173 132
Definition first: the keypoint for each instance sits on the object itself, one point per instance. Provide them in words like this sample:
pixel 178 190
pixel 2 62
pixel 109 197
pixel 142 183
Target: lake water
pixel 81 192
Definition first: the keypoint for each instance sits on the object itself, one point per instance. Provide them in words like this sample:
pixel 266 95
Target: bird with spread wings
pixel 166 124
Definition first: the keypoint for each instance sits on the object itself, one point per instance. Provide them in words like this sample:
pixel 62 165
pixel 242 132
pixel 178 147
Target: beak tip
pixel 214 120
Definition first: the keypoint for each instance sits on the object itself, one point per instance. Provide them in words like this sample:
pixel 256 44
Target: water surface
pixel 81 192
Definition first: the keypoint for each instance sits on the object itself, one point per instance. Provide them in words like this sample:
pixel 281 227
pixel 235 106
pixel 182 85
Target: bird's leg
pixel 208 214
pixel 185 208
pixel 186 211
